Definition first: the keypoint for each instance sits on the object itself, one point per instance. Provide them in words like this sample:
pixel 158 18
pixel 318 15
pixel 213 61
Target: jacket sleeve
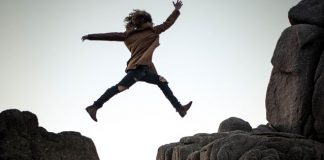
pixel 112 36
pixel 168 23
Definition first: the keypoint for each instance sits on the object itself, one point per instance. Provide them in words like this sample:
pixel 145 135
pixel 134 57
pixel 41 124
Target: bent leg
pixel 110 92
pixel 121 88
pixel 124 84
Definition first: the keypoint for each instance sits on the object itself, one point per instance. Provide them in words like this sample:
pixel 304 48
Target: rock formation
pixel 239 145
pixel 295 95
pixel 294 103
pixel 234 123
pixel 22 139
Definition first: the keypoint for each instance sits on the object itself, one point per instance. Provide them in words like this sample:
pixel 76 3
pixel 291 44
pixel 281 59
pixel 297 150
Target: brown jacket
pixel 141 42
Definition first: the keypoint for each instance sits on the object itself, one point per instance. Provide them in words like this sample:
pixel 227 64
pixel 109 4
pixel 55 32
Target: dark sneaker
pixel 92 110
pixel 183 109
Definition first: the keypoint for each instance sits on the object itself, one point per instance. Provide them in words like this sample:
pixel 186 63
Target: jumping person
pixel 141 38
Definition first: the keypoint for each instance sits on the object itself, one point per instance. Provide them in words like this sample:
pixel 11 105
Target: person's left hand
pixel 177 5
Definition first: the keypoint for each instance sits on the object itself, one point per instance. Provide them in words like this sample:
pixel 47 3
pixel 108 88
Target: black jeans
pixel 141 73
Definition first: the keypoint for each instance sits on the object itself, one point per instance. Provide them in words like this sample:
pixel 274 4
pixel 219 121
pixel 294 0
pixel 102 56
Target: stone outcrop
pixel 294 103
pixel 291 86
pixel 240 145
pixel 318 100
pixel 234 123
pixel 22 139
pixel 308 12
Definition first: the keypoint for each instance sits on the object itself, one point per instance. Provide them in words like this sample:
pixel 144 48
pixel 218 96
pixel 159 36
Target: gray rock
pixel 239 145
pixel 308 12
pixel 165 152
pixel 22 139
pixel 291 86
pixel 186 146
pixel 194 156
pixel 264 129
pixel 318 101
pixel 233 124
pixel 245 146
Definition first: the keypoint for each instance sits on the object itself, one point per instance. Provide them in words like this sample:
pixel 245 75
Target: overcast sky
pixel 217 54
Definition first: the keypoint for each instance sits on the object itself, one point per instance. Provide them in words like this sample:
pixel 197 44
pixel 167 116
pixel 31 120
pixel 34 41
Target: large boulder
pixel 233 124
pixel 22 139
pixel 308 12
pixel 291 86
pixel 318 101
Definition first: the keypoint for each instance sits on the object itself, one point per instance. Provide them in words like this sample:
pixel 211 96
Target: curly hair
pixel 136 18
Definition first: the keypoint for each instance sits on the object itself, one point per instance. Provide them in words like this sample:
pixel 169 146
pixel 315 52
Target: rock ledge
pixel 22 139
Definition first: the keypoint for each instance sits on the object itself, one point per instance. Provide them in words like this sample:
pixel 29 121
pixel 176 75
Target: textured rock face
pixel 318 100
pixel 239 145
pixel 22 139
pixel 295 101
pixel 233 124
pixel 308 12
pixel 291 86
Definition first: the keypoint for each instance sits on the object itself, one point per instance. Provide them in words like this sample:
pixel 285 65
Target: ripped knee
pixel 162 79
pixel 121 88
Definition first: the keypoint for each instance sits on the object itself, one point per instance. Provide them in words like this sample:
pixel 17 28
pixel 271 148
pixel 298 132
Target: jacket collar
pixel 143 27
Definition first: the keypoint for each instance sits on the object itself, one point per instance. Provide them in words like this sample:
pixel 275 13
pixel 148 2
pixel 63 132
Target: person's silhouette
pixel 141 38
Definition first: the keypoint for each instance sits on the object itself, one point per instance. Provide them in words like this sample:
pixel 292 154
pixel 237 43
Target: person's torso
pixel 141 40
pixel 141 44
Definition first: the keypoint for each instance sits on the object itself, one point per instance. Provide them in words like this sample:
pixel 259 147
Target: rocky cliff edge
pixel 21 138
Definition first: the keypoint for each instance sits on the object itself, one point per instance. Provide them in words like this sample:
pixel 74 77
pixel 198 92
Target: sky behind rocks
pixel 217 54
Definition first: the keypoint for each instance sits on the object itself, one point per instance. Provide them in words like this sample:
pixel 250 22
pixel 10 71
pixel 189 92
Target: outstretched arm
pixel 112 36
pixel 171 19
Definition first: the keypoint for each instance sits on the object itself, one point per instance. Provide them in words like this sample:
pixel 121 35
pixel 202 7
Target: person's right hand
pixel 177 5
pixel 84 38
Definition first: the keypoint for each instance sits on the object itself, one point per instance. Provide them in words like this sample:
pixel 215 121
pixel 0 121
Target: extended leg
pixel 163 85
pixel 124 84
pixel 106 96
